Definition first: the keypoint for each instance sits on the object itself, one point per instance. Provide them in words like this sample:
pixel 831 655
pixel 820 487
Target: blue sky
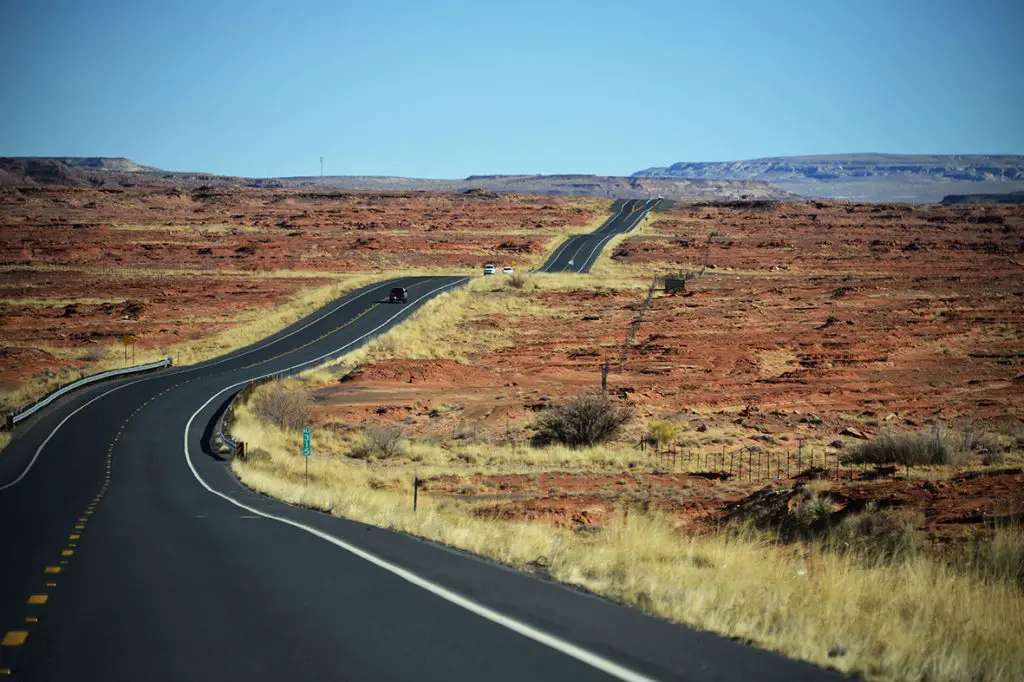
pixel 451 88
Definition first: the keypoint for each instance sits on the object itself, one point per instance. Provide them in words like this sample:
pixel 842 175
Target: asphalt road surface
pixel 128 551
pixel 578 253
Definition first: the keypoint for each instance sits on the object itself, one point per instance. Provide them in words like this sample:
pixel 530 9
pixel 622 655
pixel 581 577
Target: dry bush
pixel 877 536
pixel 517 281
pixel 912 449
pixel 286 404
pixel 661 432
pixel 973 440
pixel 382 442
pixel 812 512
pixel 583 422
pixel 995 559
pixel 95 354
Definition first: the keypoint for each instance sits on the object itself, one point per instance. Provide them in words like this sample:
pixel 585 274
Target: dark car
pixel 399 295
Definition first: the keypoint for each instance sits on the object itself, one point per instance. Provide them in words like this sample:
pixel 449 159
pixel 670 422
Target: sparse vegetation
pixel 877 536
pixel 933 447
pixel 936 447
pixel 284 403
pixel 583 422
pixel 382 441
pixel 661 432
pixel 881 609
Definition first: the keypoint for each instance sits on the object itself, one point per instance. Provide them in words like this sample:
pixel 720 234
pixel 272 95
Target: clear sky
pixel 447 88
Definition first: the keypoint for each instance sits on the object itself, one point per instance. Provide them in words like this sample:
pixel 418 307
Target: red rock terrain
pixel 814 323
pixel 83 267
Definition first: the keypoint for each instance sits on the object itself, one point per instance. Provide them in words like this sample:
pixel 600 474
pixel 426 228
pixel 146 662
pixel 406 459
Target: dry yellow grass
pixel 913 620
pixel 248 326
pixel 5 440
pixel 445 327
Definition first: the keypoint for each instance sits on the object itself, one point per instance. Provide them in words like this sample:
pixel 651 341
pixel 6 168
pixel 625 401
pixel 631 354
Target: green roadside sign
pixel 305 442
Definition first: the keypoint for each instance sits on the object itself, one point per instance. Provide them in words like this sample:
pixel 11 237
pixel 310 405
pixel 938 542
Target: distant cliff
pixel 865 177
pixel 113 173
pixel 1010 198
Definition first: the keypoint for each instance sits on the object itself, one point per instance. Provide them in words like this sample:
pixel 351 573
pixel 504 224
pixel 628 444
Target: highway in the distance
pixel 578 253
pixel 128 551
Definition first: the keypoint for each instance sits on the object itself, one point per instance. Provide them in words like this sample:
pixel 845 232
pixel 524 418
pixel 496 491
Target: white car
pixel 507 270
pixel 489 268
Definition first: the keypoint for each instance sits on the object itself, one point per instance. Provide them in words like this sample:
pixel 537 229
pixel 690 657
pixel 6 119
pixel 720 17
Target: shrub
pixel 877 536
pixel 925 447
pixel 584 421
pixel 998 558
pixel 285 404
pixel 973 440
pixel 517 281
pixel 380 441
pixel 661 432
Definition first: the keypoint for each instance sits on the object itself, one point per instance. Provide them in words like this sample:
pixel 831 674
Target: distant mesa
pixel 853 177
pixel 865 177
pixel 1008 198
pixel 112 173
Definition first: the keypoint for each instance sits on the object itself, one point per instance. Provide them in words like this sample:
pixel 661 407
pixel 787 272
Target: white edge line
pixel 554 256
pixel 565 244
pixel 556 643
pixel 181 370
pixel 613 234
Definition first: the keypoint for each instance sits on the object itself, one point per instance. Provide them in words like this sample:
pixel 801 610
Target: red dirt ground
pixel 83 267
pixel 816 319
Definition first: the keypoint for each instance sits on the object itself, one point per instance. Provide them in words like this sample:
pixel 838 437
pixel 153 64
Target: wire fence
pixel 758 464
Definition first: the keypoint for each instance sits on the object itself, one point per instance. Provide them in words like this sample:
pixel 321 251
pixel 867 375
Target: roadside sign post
pixel 306 450
pixel 129 340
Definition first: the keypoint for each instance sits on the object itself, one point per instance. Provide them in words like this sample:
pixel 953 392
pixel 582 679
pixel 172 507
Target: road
pixel 130 552
pixel 578 253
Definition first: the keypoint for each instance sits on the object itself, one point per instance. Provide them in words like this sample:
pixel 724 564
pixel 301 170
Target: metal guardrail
pixel 227 417
pixel 64 390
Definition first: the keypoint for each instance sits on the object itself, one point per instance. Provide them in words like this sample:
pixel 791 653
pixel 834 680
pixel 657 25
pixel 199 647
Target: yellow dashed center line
pixel 14 638
pixel 38 599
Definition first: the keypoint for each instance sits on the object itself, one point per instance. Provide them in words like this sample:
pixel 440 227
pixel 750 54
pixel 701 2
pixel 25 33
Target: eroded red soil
pixel 81 268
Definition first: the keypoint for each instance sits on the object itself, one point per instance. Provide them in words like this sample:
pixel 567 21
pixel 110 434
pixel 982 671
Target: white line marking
pixel 565 244
pixel 175 372
pixel 568 648
pixel 587 263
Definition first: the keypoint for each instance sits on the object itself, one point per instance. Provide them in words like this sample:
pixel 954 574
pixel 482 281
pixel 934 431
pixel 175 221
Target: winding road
pixel 579 252
pixel 128 551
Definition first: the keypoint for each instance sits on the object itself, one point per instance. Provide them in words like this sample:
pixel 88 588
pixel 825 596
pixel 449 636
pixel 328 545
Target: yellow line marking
pixel 64 563
pixel 68 552
pixel 53 569
pixel 80 526
pixel 51 584
pixel 38 598
pixel 75 536
pixel 14 638
pixel 32 619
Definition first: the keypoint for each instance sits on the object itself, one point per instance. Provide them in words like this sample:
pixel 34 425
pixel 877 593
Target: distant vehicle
pixel 399 295
pixel 489 268
pixel 507 270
